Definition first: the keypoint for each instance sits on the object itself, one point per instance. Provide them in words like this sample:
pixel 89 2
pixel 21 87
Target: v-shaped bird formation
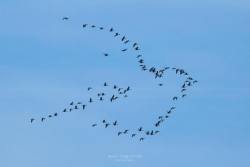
pixel 138 132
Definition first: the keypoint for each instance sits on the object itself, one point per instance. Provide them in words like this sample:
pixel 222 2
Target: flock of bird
pixel 122 92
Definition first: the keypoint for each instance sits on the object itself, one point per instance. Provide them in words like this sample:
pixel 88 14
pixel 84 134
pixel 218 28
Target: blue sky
pixel 46 63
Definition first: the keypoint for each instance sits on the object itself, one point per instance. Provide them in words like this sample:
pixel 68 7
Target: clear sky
pixel 46 63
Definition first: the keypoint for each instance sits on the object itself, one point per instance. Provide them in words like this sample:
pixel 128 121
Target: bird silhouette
pixel 89 88
pixel 43 119
pixel 83 107
pixel 106 125
pixel 135 44
pixel 119 133
pixel 94 125
pixel 184 95
pixel 141 139
pixel 90 100
pixel 72 103
pixel 123 38
pixel 126 131
pixel 55 114
pixel 124 50
pixel 65 18
pixel 116 34
pixel 138 56
pixel 32 120
pixel 133 135
pixel 175 98
pixel 127 41
pixel 140 129
pixel 111 30
pixel 115 123
pixel 105 84
pixel 84 25
pixel 105 54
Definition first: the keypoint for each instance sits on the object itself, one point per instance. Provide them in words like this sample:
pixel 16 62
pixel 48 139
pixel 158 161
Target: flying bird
pixel 94 125
pixel 115 123
pixel 84 25
pixel 32 120
pixel 65 18
pixel 124 50
pixel 175 98
pixel 133 135
pixel 89 88
pixel 116 34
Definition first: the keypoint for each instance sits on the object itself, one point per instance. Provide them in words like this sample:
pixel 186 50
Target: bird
pixel 126 41
pixel 172 108
pixel 126 131
pixel 147 133
pixel 169 112
pixel 105 84
pixel 128 88
pixel 184 95
pixel 195 81
pixel 42 119
pixel 137 48
pixel 183 90
pixel 157 131
pixel 123 38
pixel 90 100
pixel 135 44
pixel 124 50
pixel 55 114
pixel 115 86
pixel 105 54
pixel 138 56
pixel 152 132
pixel 141 139
pixel 83 107
pixel 116 34
pixel 32 120
pixel 94 125
pixel 101 99
pixel 175 98
pixel 111 30
pixel 141 61
pixel 104 121
pixel 119 133
pixel 140 129
pixel 101 28
pixel 133 135
pixel 115 123
pixel 93 26
pixel 106 125
pixel 49 116
pixel 79 102
pixel 160 84
pixel 84 25
pixel 72 103
pixel 76 107
pixel 65 110
pixel 65 18
pixel 113 98
pixel 125 96
pixel 89 88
